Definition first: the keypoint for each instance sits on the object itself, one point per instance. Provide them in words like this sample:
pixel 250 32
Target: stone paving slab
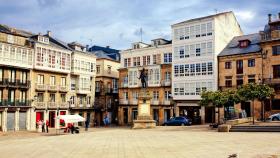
pixel 161 142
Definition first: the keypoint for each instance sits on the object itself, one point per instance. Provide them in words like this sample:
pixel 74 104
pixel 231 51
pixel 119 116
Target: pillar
pixel 4 120
pixel 161 115
pixel 177 111
pixel 17 120
pixel 202 114
pixel 130 115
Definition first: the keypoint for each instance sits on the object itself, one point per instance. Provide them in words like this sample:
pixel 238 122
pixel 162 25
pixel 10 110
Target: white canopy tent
pixel 71 118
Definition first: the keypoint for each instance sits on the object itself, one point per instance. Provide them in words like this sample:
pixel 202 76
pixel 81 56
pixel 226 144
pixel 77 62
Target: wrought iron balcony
pixel 23 83
pixel 63 88
pixel 166 83
pixel 123 101
pixel 52 88
pixel 52 105
pixel 40 104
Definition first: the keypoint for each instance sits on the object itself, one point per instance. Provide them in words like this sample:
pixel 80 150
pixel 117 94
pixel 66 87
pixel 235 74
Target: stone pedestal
pixel 144 118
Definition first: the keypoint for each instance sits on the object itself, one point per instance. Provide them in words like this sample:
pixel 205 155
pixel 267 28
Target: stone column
pixel 130 121
pixel 17 120
pixel 202 114
pixel 120 115
pixel 4 120
pixel 177 111
pixel 161 115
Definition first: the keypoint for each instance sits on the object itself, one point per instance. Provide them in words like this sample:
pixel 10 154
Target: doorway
pixel 125 115
pixel 166 114
pixel 52 119
pixel 247 107
pixel 209 114
pixel 155 115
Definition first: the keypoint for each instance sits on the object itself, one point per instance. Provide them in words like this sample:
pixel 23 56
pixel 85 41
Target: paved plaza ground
pixel 163 142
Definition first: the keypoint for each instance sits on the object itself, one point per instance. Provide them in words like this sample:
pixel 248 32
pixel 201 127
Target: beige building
pixel 106 84
pixel 50 79
pixel 195 45
pixel 16 62
pixel 82 87
pixel 241 63
pixel 156 59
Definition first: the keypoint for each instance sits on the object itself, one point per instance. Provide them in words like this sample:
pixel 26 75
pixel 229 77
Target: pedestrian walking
pixel 86 125
pixel 43 126
pixel 72 128
pixel 104 120
pixel 47 126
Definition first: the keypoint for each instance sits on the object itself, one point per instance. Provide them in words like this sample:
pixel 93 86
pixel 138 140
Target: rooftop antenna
pixel 216 11
pixel 141 32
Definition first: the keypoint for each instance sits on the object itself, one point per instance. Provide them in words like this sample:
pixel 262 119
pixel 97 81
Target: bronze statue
pixel 143 78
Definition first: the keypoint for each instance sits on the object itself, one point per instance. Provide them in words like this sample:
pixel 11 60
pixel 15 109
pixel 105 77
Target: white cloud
pixel 245 15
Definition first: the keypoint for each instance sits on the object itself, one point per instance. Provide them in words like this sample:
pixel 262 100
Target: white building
pixel 196 44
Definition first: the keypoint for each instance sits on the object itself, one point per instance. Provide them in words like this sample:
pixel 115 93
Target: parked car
pixel 274 117
pixel 178 121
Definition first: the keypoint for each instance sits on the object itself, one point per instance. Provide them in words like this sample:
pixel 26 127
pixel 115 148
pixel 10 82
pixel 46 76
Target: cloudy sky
pixel 116 23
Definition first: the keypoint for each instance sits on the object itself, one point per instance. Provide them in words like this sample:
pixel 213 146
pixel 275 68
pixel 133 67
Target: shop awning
pixel 71 118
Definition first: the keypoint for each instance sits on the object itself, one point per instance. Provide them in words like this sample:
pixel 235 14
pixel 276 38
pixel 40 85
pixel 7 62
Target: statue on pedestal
pixel 143 78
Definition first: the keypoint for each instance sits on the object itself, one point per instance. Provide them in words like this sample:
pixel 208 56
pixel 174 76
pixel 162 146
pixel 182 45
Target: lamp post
pixel 263 56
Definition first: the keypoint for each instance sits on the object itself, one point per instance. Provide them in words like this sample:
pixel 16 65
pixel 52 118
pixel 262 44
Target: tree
pixel 252 91
pixel 264 92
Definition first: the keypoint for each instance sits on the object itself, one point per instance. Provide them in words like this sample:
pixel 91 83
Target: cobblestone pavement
pixel 163 142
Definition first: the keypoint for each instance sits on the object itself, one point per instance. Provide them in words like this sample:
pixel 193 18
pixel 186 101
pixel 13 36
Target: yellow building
pixel 50 79
pixel 156 59
pixel 16 56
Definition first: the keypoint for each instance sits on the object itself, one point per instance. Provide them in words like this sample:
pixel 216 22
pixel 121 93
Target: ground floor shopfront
pixel 50 116
pixel 88 114
pixel 128 113
pixel 15 118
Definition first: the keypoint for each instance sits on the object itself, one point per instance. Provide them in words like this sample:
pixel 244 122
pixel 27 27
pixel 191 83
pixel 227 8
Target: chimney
pixel 49 33
pixel 107 46
pixel 269 18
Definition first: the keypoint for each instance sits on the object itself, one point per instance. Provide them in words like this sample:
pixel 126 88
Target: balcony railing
pixel 41 87
pixel 133 102
pixel 63 88
pixel 52 105
pixel 154 102
pixel 40 105
pixel 52 88
pixel 11 82
pixel 166 102
pixel 64 105
pixel 123 101
pixel 16 103
pixel 82 90
pixel 166 83
pixel 23 83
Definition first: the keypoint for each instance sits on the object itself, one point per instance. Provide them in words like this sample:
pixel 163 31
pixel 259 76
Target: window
pixel 197 30
pixel 98 69
pixel 52 80
pixel 1 75
pixel 209 48
pixel 228 81
pixel 203 69
pixel 40 79
pixel 63 81
pixel 167 57
pixel 239 80
pixel 125 95
pixel 197 50
pixel 210 68
pixel 176 52
pixel 148 60
pixel 154 59
pixel 22 96
pixel 167 76
pixel 181 89
pixel 129 62
pixel 182 70
pixel 176 70
pixel 134 61
pixel 187 51
pixel 176 34
pixel 203 30
pixel 109 69
pixel 251 79
pixel 176 89
pixel 198 69
pixel 155 95
pixel 167 95
pixel 192 32
pixel 125 62
pixel 12 76
pixel 192 66
pixel 276 50
pixel 276 71
pixel 135 95
pixel 197 88
pixel 182 52
pixel 1 96
pixel 181 33
pixel 52 97
pixel 23 77
pixel 11 96
pixel 251 63
pixel 239 67
pixel 138 61
pixel 243 44
pixel 187 70
pixel 228 65
pixel 73 84
pixel 187 32
pixel 209 29
pixel 63 98
pixel 40 97
pixel 144 60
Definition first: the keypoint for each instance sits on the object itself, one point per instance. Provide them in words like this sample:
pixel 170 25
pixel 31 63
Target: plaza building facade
pixel 195 45
pixel 156 59
pixel 16 62
pixel 270 44
pixel 241 63
pixel 106 84
pixel 82 82
pixel 50 79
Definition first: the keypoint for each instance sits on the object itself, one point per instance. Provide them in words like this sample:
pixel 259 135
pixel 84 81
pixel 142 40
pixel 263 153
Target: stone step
pixel 255 129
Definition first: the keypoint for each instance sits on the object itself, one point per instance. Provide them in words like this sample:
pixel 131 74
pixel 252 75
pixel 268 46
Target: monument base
pixel 143 124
